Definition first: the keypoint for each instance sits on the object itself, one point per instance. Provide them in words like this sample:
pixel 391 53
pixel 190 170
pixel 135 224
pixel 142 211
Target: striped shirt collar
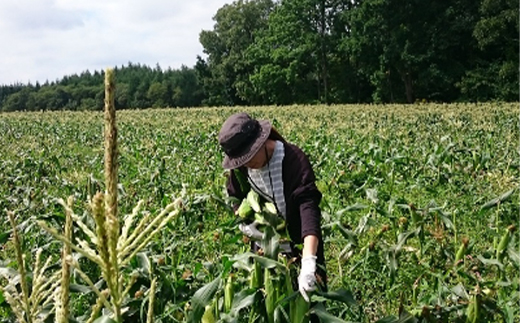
pixel 262 178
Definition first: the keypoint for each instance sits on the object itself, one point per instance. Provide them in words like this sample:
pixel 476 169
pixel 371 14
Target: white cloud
pixel 48 39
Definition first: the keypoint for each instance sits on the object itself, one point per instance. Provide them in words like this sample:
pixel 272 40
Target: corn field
pixel 420 216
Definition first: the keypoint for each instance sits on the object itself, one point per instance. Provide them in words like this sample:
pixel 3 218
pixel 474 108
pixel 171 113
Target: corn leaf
pixel 270 243
pixel 104 319
pixel 401 239
pixel 347 234
pixel 340 295
pixel 490 262
pixel 509 314
pixel 265 262
pixel 203 297
pixel 243 299
pixel 405 317
pixel 80 288
pixel 372 195
pixel 326 317
pixel 4 236
pixel 460 291
pixel 144 263
pixel 496 201
pixel 514 256
pixel 350 208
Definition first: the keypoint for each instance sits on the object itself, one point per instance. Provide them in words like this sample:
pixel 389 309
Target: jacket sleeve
pixel 307 198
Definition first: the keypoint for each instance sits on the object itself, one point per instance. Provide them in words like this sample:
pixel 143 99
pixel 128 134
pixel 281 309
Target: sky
pixel 48 39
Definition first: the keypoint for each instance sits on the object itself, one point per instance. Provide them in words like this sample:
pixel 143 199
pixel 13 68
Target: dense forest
pixel 263 52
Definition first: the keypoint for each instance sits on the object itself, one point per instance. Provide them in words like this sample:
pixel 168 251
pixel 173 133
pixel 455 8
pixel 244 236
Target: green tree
pixel 235 29
pixel 409 49
pixel 301 57
pixel 286 56
pixel 184 88
pixel 157 94
pixel 122 96
pixel 495 72
pixel 17 101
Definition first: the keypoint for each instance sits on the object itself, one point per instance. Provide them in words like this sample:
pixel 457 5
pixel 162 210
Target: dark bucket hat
pixel 241 137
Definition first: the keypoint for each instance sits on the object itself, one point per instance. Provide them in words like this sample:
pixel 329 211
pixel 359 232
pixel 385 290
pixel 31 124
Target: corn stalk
pixel 62 304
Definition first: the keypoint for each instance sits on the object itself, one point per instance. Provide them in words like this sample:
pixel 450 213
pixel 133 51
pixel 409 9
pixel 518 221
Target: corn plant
pixel 460 284
pixel 31 301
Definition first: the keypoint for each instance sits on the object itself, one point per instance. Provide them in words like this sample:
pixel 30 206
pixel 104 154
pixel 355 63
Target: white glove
pixel 307 278
pixel 251 231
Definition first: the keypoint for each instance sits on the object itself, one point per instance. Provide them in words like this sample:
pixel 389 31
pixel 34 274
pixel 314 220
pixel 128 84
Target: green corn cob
pixel 254 200
pixel 270 295
pixel 270 208
pixel 462 250
pixel 228 294
pixel 259 218
pixel 244 210
pixel 288 287
pixel 504 242
pixel 208 316
pixel 256 276
pixel 299 309
pixel 472 314
pixel 281 225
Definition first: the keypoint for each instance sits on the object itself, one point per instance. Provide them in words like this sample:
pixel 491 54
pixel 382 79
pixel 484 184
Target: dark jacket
pixel 302 198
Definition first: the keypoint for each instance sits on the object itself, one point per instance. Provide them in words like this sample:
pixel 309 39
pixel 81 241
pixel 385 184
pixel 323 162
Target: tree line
pixel 262 52
pixel 138 87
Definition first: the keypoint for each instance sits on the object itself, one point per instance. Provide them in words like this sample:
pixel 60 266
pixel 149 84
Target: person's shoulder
pixel 296 163
pixel 293 151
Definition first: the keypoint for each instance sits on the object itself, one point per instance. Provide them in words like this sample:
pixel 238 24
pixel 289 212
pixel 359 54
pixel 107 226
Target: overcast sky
pixel 48 39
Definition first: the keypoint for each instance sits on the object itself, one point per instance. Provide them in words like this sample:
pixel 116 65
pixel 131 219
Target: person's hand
pixel 251 230
pixel 307 278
